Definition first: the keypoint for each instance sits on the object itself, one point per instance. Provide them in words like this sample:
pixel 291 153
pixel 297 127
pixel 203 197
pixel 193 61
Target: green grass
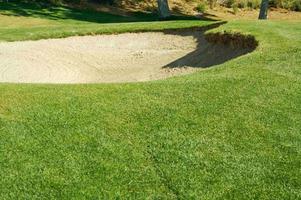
pixel 229 132
pixel 24 21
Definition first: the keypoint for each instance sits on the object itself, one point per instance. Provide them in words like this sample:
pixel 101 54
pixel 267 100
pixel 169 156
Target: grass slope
pixel 32 22
pixel 229 132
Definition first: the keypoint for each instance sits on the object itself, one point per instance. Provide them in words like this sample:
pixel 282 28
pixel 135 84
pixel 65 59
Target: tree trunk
pixel 263 14
pixel 163 9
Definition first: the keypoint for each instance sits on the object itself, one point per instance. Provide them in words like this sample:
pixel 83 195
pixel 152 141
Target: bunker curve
pixel 128 57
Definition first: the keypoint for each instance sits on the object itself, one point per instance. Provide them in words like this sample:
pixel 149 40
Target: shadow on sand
pixel 212 49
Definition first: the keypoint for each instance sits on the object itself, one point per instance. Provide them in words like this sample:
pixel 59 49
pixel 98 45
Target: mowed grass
pixel 25 21
pixel 228 132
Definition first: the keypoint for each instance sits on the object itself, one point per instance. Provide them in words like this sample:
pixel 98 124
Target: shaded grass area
pixel 52 12
pixel 230 132
pixel 27 21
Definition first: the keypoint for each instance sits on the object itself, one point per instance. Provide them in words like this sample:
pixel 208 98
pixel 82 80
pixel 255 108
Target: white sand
pixel 125 57
pixel 105 58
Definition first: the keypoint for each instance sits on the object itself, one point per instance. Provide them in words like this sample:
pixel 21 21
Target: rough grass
pixel 229 132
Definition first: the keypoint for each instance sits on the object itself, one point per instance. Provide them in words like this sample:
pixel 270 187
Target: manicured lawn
pixel 228 132
pixel 31 22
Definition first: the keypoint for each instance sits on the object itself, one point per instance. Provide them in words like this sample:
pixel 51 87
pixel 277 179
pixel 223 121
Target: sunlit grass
pixel 229 132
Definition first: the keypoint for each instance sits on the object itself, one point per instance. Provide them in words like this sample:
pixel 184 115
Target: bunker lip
pixel 127 57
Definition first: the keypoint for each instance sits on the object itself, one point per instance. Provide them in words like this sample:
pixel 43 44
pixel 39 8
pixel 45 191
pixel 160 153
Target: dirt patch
pixel 126 57
pixel 246 14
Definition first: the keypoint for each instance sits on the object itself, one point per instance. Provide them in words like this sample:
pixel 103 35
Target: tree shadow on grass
pixel 47 11
pixel 212 49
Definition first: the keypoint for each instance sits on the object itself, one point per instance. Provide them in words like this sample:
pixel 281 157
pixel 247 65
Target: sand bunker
pixel 126 57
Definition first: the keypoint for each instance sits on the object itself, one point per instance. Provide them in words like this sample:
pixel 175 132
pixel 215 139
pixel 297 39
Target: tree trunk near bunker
pixel 163 9
pixel 263 14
